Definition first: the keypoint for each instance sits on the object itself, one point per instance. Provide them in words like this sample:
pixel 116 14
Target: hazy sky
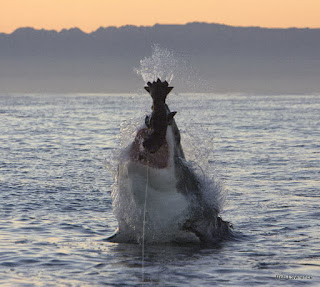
pixel 92 14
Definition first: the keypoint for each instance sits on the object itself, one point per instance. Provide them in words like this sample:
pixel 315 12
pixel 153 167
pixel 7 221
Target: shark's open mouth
pixel 138 153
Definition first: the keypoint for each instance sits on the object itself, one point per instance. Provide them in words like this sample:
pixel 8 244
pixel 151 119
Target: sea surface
pixel 55 202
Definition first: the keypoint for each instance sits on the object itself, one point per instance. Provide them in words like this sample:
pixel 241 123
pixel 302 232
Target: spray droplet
pixel 162 64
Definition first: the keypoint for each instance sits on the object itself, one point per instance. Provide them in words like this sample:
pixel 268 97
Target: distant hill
pixel 228 59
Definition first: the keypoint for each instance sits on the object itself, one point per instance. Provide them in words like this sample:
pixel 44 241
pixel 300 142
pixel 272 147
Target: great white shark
pixel 157 195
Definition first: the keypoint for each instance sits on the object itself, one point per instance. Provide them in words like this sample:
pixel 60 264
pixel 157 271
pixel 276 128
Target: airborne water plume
pixel 168 65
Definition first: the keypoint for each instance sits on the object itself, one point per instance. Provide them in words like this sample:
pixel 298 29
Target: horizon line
pixel 158 24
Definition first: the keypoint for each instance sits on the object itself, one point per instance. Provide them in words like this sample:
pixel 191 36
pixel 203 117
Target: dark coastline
pixel 226 58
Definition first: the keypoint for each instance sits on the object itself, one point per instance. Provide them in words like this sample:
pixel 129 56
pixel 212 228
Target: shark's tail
pixel 158 90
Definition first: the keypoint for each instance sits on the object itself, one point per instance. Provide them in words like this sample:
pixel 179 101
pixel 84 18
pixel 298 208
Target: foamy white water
pixel 55 202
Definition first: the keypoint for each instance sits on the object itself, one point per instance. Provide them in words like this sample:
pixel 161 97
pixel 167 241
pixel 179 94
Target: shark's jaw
pixel 159 159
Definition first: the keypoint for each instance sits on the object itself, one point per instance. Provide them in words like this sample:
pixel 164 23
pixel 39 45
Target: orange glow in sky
pixel 89 15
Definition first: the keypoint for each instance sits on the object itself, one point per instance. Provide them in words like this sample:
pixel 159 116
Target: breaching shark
pixel 157 195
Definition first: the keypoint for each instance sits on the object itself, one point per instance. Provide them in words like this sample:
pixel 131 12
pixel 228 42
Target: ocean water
pixel 55 202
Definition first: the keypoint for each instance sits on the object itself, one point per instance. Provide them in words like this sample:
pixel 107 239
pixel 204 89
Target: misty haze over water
pixel 221 58
pixel 228 59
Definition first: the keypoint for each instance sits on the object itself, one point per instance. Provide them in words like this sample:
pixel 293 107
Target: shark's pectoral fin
pixel 113 238
pixel 118 237
pixel 209 231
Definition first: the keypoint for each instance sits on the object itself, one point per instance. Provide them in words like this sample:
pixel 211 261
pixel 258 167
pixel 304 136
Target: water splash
pixel 147 214
pixel 162 64
pixel 167 65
